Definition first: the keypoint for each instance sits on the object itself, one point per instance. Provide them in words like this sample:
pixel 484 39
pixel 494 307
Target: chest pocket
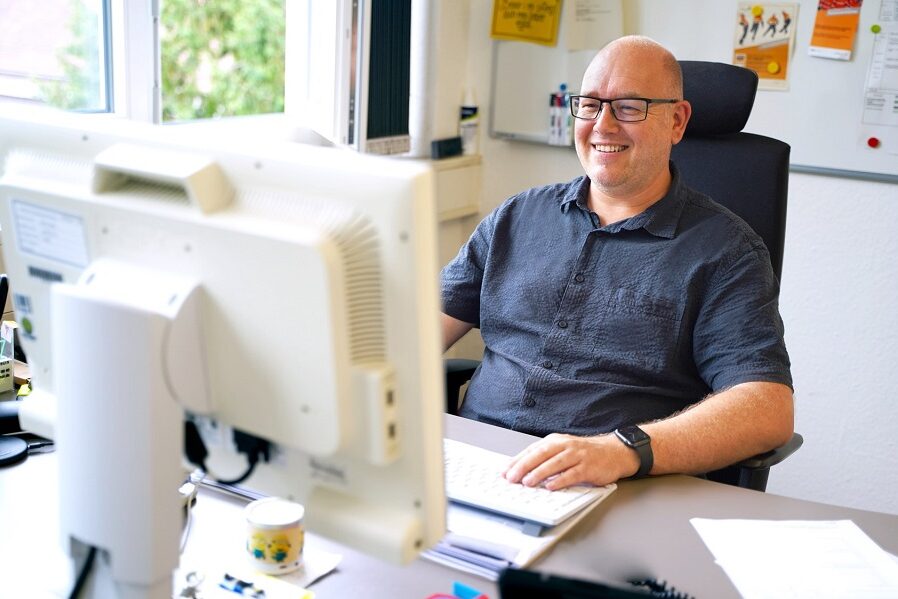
pixel 638 331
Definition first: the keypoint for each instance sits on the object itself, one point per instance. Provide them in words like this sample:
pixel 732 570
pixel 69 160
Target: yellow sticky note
pixel 523 21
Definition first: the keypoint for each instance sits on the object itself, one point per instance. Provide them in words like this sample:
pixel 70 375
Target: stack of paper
pixel 485 543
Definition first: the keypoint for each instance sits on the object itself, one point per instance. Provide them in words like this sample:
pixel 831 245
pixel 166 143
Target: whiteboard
pixel 820 115
pixel 521 95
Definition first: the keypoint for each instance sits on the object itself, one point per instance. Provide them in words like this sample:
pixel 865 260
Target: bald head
pixel 644 50
pixel 627 160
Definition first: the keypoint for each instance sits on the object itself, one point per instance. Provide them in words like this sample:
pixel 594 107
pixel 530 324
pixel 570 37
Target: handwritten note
pixel 533 21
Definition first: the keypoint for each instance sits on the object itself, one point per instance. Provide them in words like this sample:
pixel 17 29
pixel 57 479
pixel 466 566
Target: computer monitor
pixel 285 290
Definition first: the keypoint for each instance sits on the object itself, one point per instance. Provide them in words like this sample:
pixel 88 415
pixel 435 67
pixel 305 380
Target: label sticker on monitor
pixel 50 233
pixel 21 303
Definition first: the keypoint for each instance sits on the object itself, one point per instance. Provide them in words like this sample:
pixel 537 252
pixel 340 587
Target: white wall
pixel 839 302
pixel 839 294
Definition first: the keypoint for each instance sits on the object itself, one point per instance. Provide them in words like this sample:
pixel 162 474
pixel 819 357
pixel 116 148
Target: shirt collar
pixel 659 219
pixel 576 193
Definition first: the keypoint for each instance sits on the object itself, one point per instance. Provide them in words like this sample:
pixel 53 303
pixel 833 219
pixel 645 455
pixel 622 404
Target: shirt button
pixel 529 402
pixel 547 365
pixel 562 324
pixel 579 278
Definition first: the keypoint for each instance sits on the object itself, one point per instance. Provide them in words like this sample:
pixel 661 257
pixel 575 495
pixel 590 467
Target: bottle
pixel 567 137
pixel 559 121
pixel 553 119
pixel 468 124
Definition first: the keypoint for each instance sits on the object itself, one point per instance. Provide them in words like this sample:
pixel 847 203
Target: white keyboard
pixel 473 477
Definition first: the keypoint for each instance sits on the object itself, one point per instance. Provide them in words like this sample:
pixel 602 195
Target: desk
pixel 643 528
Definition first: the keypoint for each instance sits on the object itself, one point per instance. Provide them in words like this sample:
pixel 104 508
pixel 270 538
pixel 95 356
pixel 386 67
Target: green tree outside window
pixel 222 58
pixel 79 62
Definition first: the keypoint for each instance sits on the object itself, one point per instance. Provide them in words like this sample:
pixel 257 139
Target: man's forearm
pixel 723 429
pixel 727 427
pixel 453 330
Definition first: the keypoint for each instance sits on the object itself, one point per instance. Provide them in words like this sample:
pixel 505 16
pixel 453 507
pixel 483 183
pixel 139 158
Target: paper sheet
pixel 881 90
pixel 216 546
pixel 590 24
pixel 791 559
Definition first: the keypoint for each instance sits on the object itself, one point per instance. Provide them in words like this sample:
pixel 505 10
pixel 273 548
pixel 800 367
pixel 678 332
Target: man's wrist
pixel 628 459
pixel 639 445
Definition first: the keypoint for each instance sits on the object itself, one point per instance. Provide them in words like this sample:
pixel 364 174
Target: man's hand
pixel 568 460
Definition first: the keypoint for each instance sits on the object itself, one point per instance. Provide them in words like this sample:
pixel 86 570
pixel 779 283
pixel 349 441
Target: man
pixel 623 298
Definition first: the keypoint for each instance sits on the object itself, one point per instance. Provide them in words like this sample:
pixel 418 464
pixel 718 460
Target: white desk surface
pixel 642 529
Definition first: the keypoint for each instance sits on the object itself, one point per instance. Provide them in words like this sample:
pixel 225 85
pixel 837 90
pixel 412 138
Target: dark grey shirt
pixel 589 328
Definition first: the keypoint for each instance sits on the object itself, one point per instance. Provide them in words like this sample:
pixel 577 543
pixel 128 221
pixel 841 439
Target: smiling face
pixel 629 161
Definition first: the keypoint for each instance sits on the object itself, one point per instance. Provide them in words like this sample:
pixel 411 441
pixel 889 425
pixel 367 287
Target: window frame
pixel 135 73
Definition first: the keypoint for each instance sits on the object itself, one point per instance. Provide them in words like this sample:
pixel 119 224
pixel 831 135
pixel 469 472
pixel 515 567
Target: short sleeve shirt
pixel 588 328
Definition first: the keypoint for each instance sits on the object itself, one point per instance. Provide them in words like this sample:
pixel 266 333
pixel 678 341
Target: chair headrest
pixel 721 96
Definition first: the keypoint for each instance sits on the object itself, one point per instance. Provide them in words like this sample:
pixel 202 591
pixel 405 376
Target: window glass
pixel 53 51
pixel 221 58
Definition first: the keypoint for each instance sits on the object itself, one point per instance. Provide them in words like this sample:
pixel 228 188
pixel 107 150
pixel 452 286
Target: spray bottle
pixel 468 124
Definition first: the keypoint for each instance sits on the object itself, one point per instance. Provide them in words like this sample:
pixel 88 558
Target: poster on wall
pixel 764 39
pixel 835 28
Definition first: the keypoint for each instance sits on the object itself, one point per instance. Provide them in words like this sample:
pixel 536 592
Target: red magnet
pixel 873 142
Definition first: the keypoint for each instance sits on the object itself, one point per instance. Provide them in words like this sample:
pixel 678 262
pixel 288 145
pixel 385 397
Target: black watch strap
pixel 638 440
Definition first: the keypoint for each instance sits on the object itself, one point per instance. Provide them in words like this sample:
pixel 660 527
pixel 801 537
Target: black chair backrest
pixel 747 173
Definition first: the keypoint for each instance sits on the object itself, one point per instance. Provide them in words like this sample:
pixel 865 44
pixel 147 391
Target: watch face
pixel 633 435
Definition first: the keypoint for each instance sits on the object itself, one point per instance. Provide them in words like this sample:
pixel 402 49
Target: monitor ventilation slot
pixel 359 248
pixel 60 168
pixel 144 189
pixel 47 166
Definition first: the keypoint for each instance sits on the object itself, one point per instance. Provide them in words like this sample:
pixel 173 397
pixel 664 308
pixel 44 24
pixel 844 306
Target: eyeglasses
pixel 626 110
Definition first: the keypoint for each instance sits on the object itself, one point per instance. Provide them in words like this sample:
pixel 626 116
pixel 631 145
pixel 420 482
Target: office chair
pixel 746 173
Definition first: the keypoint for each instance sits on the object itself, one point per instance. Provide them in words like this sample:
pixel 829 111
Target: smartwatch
pixel 636 439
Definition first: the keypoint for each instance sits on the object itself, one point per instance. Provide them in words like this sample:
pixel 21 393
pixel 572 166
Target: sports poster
pixel 763 41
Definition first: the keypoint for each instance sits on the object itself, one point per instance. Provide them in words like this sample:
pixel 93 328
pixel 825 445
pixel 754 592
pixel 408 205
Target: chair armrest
pixel 752 473
pixel 461 367
pixel 773 457
pixel 458 372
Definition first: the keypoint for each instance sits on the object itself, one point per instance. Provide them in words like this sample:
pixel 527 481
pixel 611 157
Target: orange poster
pixel 835 28
pixel 765 35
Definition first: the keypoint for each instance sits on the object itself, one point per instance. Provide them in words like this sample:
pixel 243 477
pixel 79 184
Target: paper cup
pixel 274 535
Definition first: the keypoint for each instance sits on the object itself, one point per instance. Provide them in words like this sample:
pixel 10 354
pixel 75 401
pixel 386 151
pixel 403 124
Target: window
pixel 195 60
pixel 221 58
pixel 55 52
